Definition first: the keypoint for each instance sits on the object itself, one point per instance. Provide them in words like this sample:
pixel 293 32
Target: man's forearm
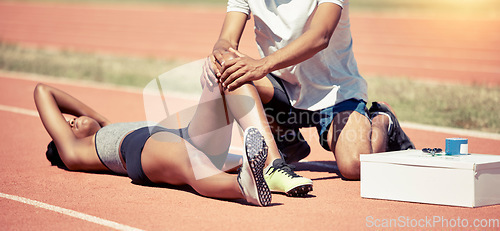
pixel 311 42
pixel 223 45
pixel 316 38
pixel 305 47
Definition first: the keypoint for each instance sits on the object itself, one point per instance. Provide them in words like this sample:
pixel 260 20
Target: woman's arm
pixel 51 103
pixel 67 104
pixel 316 38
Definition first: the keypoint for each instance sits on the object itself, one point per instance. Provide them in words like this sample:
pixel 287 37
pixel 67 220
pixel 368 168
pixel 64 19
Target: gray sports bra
pixel 108 140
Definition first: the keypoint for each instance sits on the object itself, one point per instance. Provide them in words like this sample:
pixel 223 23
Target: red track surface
pixel 334 204
pixel 464 50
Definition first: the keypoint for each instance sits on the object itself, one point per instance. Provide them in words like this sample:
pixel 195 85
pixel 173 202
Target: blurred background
pixel 435 62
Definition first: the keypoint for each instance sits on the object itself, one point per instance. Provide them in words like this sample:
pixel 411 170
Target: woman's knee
pixel 247 88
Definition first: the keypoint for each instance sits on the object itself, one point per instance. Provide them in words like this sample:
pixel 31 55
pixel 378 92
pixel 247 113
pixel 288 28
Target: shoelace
pixel 285 168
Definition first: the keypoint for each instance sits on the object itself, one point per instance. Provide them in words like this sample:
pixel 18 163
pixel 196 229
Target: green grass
pixel 449 105
pixel 130 71
pixel 469 107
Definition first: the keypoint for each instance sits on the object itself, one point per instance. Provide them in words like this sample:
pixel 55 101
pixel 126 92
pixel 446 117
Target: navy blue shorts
pixel 279 110
pixel 131 150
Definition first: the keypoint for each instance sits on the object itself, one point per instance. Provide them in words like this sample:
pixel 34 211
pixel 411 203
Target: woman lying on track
pixel 155 154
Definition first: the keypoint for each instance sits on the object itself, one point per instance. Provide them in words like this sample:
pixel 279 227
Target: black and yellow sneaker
pixel 398 140
pixel 281 178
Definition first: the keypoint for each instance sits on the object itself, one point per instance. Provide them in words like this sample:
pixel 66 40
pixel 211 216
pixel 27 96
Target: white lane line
pixel 103 86
pixel 34 113
pixel 18 110
pixel 423 127
pixel 69 212
pixel 454 131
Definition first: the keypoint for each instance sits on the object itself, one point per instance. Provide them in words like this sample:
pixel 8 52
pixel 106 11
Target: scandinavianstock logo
pixel 200 115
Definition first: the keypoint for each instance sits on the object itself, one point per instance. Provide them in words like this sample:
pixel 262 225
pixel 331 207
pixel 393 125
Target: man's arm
pixel 243 69
pixel 230 36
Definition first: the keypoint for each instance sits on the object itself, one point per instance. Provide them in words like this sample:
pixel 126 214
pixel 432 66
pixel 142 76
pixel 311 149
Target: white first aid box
pixel 412 175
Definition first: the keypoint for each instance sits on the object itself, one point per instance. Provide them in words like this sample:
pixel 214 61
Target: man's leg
pixel 283 119
pixel 379 138
pixel 279 175
pixel 396 137
pixel 351 133
pixel 348 137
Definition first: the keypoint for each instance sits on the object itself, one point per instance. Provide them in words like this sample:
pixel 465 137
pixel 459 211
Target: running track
pixel 458 50
pixel 26 173
pixel 115 202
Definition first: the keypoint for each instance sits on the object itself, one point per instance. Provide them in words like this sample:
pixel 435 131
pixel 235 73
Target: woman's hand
pixel 216 59
pixel 211 69
pixel 208 76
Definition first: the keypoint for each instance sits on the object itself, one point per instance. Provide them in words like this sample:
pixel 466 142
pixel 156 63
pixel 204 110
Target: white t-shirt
pixel 329 77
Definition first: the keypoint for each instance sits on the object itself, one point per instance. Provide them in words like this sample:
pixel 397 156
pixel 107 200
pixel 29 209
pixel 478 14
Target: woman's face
pixel 84 126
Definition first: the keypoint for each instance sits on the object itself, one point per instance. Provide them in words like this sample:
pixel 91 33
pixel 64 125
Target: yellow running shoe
pixel 281 178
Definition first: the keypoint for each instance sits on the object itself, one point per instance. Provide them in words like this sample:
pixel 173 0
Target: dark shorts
pixel 280 111
pixel 131 150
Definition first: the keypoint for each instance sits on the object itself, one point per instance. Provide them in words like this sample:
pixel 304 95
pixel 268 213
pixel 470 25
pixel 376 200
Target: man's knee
pixel 350 168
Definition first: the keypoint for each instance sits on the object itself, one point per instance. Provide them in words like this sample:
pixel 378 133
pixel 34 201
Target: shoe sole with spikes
pixel 256 154
pixel 300 191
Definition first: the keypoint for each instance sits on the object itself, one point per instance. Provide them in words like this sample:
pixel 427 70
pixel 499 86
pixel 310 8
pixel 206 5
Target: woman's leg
pixel 175 166
pixel 209 128
pixel 223 186
pixel 250 179
pixel 255 117
pixel 185 164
